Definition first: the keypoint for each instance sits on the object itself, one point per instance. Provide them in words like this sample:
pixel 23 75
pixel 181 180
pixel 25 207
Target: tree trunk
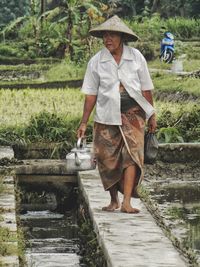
pixel 34 23
pixel 69 48
pixel 42 10
pixel 182 8
pixel 155 6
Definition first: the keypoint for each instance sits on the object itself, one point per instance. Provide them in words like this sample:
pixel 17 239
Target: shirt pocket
pixel 106 80
pixel 130 71
pixel 133 76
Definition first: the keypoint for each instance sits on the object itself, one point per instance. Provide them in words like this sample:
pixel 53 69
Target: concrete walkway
pixel 128 240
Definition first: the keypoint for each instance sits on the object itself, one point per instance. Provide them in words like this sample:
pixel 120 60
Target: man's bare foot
pixel 128 209
pixel 111 207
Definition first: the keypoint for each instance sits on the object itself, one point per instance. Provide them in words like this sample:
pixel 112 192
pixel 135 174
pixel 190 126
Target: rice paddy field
pixel 19 106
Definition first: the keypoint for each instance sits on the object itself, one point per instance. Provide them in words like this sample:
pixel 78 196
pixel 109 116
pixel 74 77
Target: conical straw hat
pixel 114 24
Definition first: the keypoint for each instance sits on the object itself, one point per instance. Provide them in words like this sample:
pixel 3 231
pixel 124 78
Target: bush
pixel 146 49
pixel 179 126
pixel 183 28
pixel 151 29
pixel 45 127
pixel 8 51
pixel 189 124
pixel 169 135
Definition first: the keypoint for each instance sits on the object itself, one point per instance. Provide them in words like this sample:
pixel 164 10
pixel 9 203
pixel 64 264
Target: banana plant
pixel 76 15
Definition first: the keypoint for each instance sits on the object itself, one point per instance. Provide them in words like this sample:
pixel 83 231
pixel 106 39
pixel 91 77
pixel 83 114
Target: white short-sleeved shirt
pixel 103 77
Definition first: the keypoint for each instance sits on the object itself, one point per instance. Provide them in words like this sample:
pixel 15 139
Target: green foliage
pixel 169 135
pixel 10 135
pixel 173 83
pixel 189 124
pixel 10 30
pixel 7 248
pixel 148 29
pixel 50 127
pixel 18 106
pixel 172 8
pixel 66 70
pixel 183 28
pixel 11 10
pixel 151 29
pixel 7 50
pixel 180 125
pixel 146 49
pixel 1 184
pixel 63 30
pixel 45 127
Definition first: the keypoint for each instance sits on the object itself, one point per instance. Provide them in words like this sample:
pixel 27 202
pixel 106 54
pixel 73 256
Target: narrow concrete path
pixel 128 240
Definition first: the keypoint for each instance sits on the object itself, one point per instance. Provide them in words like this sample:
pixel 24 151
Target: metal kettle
pixel 81 157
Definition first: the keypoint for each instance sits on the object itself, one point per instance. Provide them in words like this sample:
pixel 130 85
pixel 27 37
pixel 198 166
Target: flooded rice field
pixel 177 205
pixel 48 220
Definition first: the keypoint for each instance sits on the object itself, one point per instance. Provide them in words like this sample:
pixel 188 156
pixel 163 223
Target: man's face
pixel 112 40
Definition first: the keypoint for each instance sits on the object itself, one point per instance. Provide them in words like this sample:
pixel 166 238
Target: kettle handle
pixel 79 142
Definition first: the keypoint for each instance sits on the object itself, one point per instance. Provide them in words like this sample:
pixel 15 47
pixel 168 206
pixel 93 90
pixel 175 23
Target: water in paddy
pixel 50 230
pixel 179 204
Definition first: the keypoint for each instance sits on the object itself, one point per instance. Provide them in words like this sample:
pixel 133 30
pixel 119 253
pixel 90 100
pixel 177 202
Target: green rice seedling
pixel 66 70
pixel 18 106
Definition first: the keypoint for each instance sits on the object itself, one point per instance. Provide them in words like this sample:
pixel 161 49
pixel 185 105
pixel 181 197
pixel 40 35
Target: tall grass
pixel 173 83
pixel 184 28
pixel 151 29
pixel 17 107
pixel 66 70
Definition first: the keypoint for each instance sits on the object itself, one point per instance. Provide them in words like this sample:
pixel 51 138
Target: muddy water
pixel 179 205
pixel 51 233
pixel 52 239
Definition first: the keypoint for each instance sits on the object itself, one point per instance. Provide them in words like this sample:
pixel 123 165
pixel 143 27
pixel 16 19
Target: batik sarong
pixel 118 147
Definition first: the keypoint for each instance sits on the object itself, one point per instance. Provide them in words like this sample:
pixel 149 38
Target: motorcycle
pixel 167 48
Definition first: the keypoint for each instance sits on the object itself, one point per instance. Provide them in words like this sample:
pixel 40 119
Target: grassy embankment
pixel 11 242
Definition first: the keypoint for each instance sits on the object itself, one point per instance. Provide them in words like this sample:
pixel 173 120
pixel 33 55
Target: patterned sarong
pixel 118 147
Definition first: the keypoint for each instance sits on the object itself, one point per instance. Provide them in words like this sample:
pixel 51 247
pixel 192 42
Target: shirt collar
pixel 106 55
pixel 127 53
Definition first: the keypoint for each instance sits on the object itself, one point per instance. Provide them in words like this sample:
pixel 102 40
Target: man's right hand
pixel 81 130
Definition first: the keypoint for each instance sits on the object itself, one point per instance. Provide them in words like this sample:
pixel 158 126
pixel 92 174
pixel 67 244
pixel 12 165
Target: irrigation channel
pixel 49 221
